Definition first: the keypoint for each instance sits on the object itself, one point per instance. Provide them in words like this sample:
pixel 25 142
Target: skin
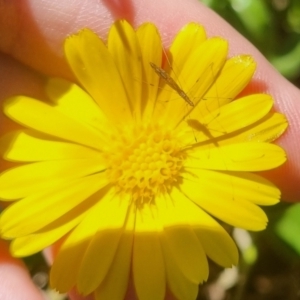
pixel 31 38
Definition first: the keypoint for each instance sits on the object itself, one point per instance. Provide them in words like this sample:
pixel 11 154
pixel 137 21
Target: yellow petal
pixel 195 76
pixel 249 186
pixel 33 243
pixel 179 285
pixel 96 70
pixel 216 242
pixel 187 252
pixel 272 127
pixel 30 146
pixel 229 118
pixel 74 102
pixel 219 246
pixel 151 50
pixel 267 129
pixel 182 47
pixel 185 42
pixel 228 200
pixel 66 264
pixel 44 118
pixel 124 48
pixel 64 272
pixel 148 265
pixel 248 157
pixel 115 284
pixel 181 240
pixel 38 210
pixel 47 175
pixel 233 78
pixel 103 246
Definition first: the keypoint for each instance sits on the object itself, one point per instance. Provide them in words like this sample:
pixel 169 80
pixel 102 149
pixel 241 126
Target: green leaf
pixel 288 227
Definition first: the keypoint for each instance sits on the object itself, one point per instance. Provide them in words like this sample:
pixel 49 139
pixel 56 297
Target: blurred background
pixel 273 26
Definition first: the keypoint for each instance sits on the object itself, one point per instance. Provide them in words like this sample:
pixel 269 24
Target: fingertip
pixel 15 282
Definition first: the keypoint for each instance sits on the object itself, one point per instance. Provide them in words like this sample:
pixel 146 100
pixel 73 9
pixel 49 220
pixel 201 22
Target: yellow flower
pixel 131 174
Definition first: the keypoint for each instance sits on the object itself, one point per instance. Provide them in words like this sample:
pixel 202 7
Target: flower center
pixel 144 161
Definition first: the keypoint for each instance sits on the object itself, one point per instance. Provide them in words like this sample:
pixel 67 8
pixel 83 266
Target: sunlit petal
pixel 238 157
pixel 59 201
pixel 233 78
pixel 73 101
pixel 49 175
pixel 44 118
pixel 235 208
pixel 96 70
pixel 29 147
pixel 151 50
